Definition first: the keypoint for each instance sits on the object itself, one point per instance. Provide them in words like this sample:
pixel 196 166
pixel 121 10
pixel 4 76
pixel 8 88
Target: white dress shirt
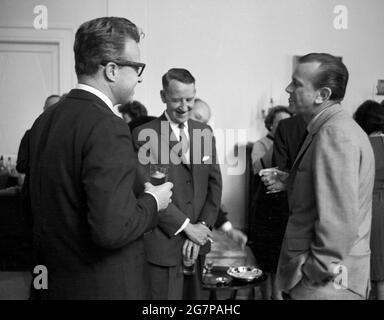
pixel 176 130
pixel 102 96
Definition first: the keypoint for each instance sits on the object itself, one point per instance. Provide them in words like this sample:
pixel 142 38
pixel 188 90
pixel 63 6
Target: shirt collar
pixel 100 95
pixel 173 124
pixel 311 123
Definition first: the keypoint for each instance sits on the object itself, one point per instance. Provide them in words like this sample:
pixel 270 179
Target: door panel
pixel 29 72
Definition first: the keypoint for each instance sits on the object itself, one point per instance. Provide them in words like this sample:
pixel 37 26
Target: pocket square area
pixel 205 158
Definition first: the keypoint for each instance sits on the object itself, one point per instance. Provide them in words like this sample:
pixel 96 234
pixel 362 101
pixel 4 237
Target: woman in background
pixel 269 215
pixel 370 116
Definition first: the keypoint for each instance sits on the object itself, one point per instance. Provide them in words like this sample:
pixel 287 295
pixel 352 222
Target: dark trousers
pixel 193 285
pixel 166 283
pixel 15 285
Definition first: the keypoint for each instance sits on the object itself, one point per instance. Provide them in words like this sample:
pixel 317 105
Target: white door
pixel 29 72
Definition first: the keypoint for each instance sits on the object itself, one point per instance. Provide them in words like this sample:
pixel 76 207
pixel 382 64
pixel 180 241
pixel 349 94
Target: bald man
pixel 51 100
pixel 201 111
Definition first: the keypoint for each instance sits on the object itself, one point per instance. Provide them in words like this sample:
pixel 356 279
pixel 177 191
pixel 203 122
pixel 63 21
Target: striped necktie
pixel 184 143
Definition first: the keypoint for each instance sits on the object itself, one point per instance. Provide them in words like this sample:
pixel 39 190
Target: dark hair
pixel 134 109
pixel 272 112
pixel 102 39
pixel 370 116
pixel 140 121
pixel 332 73
pixel 52 96
pixel 47 103
pixel 182 75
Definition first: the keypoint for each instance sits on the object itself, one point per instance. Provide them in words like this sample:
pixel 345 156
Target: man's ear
pixel 162 95
pixel 110 72
pixel 323 95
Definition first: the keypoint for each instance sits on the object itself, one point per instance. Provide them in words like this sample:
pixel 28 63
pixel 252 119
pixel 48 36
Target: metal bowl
pixel 246 273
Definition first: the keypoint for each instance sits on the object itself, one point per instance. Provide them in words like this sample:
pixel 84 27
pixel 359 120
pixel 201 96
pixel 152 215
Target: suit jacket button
pixel 188 181
pixel 189 202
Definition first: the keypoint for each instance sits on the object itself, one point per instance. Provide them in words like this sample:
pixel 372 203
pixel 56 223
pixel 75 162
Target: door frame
pixel 61 36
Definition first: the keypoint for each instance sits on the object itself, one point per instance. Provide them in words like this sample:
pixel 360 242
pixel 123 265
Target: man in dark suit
pixel 188 147
pixel 88 225
pixel 289 136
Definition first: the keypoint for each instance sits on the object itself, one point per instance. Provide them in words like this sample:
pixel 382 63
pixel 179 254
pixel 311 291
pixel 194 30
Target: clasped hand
pixel 198 233
pixel 190 250
pixel 275 180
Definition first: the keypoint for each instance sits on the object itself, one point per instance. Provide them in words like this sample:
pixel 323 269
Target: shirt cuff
pixel 226 226
pixel 183 226
pixel 153 195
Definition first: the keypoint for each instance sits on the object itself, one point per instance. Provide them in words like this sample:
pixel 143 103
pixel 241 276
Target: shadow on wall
pixel 234 186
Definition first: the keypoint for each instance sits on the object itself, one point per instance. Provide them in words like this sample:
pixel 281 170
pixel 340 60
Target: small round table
pixel 233 285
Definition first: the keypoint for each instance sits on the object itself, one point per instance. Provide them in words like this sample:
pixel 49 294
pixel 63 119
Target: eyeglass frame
pixel 127 63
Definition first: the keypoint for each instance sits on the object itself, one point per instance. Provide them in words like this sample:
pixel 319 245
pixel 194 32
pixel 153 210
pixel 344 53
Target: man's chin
pixel 182 117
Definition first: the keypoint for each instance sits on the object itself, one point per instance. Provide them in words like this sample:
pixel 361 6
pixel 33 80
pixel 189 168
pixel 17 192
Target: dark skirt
pixel 268 223
pixel 377 236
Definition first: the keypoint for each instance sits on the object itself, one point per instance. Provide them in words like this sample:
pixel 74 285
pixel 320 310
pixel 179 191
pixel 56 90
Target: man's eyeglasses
pixel 138 66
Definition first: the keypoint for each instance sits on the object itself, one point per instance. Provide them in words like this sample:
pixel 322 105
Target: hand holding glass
pixel 274 179
pixel 189 266
pixel 158 174
pixel 209 267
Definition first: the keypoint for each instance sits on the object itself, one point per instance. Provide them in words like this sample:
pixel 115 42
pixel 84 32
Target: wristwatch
pixel 204 224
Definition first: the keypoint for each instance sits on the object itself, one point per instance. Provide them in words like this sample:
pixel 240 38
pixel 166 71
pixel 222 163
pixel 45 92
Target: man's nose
pixel 184 104
pixel 288 89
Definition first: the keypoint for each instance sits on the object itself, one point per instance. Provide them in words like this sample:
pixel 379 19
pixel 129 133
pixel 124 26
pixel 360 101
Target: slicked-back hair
pixel 272 112
pixel 178 74
pixel 332 73
pixel 102 39
pixel 370 116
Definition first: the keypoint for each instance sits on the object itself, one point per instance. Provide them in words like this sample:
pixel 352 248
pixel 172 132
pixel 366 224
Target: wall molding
pixel 62 36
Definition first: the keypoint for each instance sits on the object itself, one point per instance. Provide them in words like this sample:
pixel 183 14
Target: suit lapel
pixel 191 144
pixel 303 148
pixel 168 137
pixel 166 134
pixel 313 129
pixel 196 167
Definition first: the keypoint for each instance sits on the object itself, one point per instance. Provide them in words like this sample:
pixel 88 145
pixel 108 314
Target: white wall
pixel 240 52
pixel 25 70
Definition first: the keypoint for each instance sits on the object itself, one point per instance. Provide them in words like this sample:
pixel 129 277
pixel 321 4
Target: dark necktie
pixel 184 144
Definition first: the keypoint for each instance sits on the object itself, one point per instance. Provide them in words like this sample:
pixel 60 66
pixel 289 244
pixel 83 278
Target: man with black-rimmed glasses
pixel 88 224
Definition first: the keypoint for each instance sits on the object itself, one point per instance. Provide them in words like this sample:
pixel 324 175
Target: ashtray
pixel 222 280
pixel 212 280
pixel 246 273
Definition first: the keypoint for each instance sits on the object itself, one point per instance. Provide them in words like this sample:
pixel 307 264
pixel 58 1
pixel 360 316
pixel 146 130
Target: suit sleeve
pixel 221 217
pixel 22 155
pixel 259 150
pixel 115 216
pixel 213 199
pixel 335 170
pixel 280 156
